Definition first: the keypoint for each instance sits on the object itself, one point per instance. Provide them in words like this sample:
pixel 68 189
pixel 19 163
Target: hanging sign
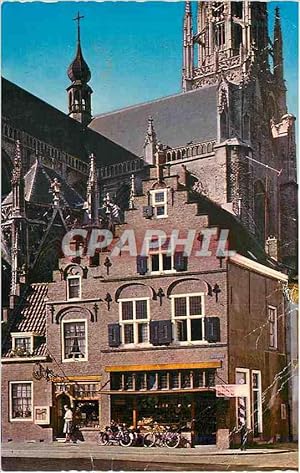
pixel 232 390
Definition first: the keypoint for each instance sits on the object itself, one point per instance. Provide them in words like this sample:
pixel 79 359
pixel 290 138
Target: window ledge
pixel 27 359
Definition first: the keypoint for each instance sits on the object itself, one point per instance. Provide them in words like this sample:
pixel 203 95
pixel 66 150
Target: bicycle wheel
pixel 102 438
pixel 126 440
pixel 172 440
pixel 149 440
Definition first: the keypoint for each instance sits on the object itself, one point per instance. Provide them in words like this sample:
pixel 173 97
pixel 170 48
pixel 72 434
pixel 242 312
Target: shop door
pixel 61 401
pixel 205 419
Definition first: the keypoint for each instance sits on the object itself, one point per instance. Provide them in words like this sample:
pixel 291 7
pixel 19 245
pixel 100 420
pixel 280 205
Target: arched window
pixel 246 127
pixel 224 125
pixel 260 211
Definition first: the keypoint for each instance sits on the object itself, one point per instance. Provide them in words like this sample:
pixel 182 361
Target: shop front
pixel 83 396
pixel 182 398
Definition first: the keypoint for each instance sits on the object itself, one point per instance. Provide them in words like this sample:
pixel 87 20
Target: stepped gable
pixel 179 119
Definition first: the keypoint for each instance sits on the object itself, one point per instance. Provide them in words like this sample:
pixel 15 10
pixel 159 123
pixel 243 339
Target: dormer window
pixel 160 203
pixel 73 287
pixel 22 343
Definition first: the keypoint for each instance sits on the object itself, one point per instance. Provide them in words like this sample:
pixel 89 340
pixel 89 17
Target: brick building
pixel 130 337
pixel 154 333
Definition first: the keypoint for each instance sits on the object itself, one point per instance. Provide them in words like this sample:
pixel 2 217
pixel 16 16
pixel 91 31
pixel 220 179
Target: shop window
pixel 86 390
pixel 74 338
pixel 140 381
pixel 86 413
pixel 199 379
pixel 73 287
pixel 174 380
pixel 116 381
pixel 134 321
pixel 163 380
pixel 188 318
pixel 210 378
pixel 257 402
pixel 272 320
pixel 128 381
pixel 186 380
pixel 159 203
pixel 21 401
pixel 151 381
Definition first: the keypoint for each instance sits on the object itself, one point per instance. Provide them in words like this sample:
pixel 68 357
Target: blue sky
pixel 133 49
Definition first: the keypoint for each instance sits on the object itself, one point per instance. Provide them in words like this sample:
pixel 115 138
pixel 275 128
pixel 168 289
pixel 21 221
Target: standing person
pixel 68 418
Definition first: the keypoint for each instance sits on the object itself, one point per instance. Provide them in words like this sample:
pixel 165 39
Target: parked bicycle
pixel 115 434
pixel 162 438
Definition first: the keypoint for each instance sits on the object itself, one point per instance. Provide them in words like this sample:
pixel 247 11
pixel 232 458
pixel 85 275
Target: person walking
pixel 68 418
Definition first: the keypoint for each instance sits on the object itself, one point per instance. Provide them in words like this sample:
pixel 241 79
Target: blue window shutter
pixel 212 329
pixel 165 332
pixel 180 261
pixel 141 264
pixel 114 335
pixel 154 332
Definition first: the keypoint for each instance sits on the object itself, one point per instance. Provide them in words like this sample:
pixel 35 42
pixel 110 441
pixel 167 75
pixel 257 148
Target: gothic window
pixel 246 127
pixel 224 125
pixel 259 210
pixel 219 29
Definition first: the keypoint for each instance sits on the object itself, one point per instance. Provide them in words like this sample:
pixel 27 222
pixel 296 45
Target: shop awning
pixel 165 366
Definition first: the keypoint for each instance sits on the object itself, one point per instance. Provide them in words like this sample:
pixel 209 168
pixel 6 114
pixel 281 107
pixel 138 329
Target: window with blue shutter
pixel 141 264
pixel 180 261
pixel 212 329
pixel 160 332
pixel 114 335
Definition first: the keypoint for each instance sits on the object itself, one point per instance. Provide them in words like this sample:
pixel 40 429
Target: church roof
pixel 37 187
pixel 178 120
pixel 48 124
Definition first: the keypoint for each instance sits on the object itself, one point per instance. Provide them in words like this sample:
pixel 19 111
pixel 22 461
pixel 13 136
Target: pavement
pixel 56 456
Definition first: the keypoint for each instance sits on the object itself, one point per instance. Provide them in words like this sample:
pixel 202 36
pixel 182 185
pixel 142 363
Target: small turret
pixel 79 92
pixel 150 143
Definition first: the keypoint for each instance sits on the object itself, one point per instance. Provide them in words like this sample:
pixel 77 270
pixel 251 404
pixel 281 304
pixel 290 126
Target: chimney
pixel 272 247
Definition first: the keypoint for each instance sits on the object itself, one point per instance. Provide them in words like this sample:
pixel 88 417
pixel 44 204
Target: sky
pixel 134 49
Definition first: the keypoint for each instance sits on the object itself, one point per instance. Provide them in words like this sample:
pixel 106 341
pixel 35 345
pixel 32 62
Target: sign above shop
pixel 231 390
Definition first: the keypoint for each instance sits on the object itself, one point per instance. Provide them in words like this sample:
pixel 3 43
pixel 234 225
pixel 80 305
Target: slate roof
pixel 30 317
pixel 178 120
pixel 36 117
pixel 37 187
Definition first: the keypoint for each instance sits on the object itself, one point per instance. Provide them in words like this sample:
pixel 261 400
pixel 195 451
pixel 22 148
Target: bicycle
pixel 115 434
pixel 166 438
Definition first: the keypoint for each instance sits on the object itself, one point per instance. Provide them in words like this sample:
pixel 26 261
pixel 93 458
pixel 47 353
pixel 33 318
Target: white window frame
pixel 63 354
pixel 160 252
pixel 259 401
pixel 18 419
pixel 164 203
pixel 135 322
pixel 248 414
pixel 275 325
pixel 16 335
pixel 188 317
pixel 77 276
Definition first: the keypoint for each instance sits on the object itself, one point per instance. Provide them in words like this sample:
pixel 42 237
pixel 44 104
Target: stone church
pixel 228 133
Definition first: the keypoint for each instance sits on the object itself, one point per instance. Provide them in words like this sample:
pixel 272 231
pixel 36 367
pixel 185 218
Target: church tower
pixel 79 92
pixel 230 35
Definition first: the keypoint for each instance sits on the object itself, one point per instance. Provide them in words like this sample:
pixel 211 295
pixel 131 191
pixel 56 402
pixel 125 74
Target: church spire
pixel 79 92
pixel 188 48
pixel 278 62
pixel 18 229
pixel 92 196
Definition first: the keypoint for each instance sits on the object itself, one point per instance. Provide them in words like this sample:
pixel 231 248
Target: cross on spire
pixel 78 18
